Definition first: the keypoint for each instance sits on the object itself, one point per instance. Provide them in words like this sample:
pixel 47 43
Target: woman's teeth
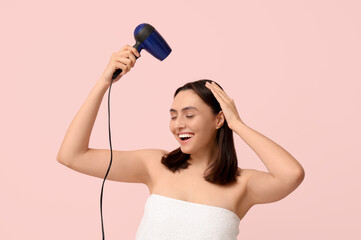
pixel 186 136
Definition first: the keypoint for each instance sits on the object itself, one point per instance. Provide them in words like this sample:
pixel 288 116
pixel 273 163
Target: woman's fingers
pixel 126 54
pixel 124 64
pixel 134 51
pixel 215 92
pixel 220 92
pixel 123 59
pixel 127 62
pixel 121 66
pixel 128 50
pixel 133 60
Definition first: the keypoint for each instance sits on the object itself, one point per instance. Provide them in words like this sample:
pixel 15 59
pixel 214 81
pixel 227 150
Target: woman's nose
pixel 179 123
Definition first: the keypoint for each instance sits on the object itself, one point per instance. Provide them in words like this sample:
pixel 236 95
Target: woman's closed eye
pixel 186 116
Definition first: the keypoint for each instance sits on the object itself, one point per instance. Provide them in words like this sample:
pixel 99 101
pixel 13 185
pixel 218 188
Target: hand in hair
pixel 228 106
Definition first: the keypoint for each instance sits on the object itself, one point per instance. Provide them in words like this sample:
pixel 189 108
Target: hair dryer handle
pixel 118 71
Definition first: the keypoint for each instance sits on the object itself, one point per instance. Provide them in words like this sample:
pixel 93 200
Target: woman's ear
pixel 220 119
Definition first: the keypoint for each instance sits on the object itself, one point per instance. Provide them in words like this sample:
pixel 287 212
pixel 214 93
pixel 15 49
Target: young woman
pixel 197 191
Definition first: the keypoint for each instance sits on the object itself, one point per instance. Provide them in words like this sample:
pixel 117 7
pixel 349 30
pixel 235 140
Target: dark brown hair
pixel 225 168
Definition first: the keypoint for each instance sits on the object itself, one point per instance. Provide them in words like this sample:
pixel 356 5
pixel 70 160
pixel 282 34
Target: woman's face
pixel 189 114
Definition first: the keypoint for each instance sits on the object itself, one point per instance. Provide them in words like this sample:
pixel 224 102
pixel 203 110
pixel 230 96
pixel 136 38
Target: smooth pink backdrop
pixel 292 67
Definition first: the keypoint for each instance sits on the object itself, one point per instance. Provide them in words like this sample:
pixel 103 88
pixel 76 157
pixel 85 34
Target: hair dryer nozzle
pixel 149 39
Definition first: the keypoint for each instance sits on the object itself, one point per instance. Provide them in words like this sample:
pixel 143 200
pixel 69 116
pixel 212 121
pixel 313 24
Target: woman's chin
pixel 184 150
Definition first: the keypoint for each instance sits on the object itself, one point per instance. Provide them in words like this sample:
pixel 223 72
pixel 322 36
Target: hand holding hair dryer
pixel 149 39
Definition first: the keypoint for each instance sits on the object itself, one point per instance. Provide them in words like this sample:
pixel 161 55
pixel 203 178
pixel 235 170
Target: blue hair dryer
pixel 149 39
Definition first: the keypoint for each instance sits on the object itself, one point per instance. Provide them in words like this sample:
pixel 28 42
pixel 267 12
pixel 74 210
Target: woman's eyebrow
pixel 184 109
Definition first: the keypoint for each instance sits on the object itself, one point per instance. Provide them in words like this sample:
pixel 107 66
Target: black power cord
pixel 115 74
pixel 111 157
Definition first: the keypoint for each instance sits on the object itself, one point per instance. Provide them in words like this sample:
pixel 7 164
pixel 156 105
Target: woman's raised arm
pixel 75 152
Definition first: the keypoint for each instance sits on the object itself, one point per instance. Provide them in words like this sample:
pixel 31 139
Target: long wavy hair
pixel 224 169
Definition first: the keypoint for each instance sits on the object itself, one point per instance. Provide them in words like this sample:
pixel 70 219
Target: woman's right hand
pixel 123 59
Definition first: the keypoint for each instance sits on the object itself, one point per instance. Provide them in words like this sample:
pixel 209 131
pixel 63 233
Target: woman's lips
pixel 185 141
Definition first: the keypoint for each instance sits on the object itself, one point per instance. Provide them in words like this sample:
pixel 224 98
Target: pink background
pixel 292 67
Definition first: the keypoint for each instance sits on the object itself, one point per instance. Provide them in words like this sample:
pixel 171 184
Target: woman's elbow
pixel 62 159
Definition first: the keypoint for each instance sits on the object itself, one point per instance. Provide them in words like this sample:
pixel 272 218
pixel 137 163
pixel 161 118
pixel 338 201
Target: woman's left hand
pixel 227 104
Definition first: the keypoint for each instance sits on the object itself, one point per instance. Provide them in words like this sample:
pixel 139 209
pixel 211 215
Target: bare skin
pixel 144 166
pixel 189 185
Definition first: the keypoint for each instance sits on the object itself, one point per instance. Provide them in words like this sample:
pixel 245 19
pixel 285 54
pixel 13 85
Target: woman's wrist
pixel 102 84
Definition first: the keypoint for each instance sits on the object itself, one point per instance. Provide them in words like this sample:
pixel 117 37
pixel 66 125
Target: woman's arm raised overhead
pixel 285 172
pixel 128 166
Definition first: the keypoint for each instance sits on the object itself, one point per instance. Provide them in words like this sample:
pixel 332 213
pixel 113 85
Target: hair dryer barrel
pixel 149 39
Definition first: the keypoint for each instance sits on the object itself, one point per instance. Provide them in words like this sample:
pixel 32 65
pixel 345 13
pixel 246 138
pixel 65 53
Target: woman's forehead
pixel 185 99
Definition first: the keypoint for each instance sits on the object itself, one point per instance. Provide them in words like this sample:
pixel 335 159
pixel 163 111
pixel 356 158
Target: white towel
pixel 168 218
